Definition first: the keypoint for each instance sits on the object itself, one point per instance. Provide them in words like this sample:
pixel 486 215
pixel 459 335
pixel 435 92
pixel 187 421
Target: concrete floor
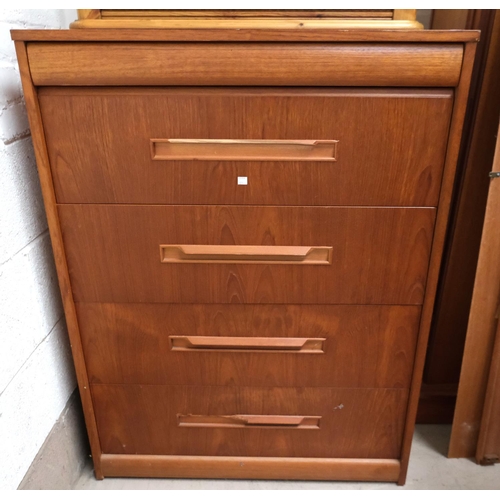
pixel 429 469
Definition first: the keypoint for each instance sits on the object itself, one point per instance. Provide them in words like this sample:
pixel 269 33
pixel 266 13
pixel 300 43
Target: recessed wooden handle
pixel 243 150
pixel 227 254
pixel 248 344
pixel 270 421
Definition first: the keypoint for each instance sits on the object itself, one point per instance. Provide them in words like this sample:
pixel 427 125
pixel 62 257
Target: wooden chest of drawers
pixel 247 226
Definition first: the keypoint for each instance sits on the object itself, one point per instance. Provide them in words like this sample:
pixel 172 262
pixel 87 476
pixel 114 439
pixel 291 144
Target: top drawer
pixel 287 64
pixel 381 146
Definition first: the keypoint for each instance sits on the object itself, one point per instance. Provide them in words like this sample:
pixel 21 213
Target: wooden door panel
pixel 347 423
pixel 377 255
pixel 358 346
pixel 390 150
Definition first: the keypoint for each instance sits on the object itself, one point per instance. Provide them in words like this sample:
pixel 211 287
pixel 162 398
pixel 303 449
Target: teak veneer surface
pixel 256 64
pixel 99 145
pixel 456 127
pixel 290 24
pixel 256 35
pixel 355 423
pixel 44 172
pixel 311 469
pixel 380 255
pixel 365 346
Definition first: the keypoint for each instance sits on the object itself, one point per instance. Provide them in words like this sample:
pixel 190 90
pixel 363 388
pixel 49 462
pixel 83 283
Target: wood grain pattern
pixel 312 469
pixel 449 328
pixel 481 330
pixel 365 346
pixel 404 14
pixel 256 35
pixel 88 13
pixel 453 148
pixel 42 159
pixel 379 256
pixel 98 142
pixel 454 294
pixel 300 64
pixel 262 23
pixel 355 423
pixel 259 19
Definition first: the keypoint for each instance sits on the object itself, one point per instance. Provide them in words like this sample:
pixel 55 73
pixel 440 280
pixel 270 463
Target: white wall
pixel 36 373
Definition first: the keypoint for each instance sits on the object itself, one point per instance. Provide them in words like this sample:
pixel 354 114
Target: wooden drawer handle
pixel 226 254
pixel 248 344
pixel 272 421
pixel 243 150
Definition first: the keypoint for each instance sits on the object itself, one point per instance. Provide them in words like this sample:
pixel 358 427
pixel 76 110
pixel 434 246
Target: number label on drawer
pixel 242 181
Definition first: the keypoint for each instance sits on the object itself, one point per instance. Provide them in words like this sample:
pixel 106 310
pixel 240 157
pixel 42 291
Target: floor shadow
pixel 435 436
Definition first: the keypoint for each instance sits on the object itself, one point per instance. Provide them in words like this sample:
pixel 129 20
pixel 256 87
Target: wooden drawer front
pixel 377 255
pixel 258 345
pixel 390 149
pixel 296 64
pixel 182 420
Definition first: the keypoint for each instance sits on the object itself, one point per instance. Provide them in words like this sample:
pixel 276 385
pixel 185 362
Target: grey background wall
pixel 36 373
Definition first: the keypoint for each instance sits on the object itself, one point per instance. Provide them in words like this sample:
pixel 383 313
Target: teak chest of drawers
pixel 248 227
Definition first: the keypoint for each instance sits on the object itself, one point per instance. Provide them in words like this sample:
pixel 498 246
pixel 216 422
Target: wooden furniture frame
pixel 36 49
pixel 453 300
pixel 255 19
pixel 475 429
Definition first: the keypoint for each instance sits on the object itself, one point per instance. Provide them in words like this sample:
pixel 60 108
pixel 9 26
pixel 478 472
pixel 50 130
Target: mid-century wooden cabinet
pixel 248 227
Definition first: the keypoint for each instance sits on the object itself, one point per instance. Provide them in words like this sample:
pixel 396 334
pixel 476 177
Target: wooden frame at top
pixel 251 19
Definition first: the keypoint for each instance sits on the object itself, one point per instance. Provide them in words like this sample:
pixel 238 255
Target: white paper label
pixel 242 181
